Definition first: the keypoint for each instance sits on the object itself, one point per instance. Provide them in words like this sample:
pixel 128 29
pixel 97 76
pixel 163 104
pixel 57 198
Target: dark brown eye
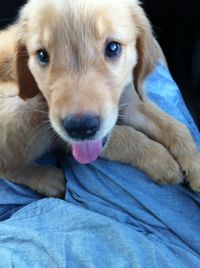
pixel 113 49
pixel 43 57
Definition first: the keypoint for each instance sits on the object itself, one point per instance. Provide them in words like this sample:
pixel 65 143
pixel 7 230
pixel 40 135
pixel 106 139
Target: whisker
pixel 123 116
pixel 38 131
pixel 43 124
pixel 53 139
pixel 39 111
pixel 124 104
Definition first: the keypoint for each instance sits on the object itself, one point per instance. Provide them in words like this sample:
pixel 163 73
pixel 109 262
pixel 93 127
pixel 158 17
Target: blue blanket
pixel 113 214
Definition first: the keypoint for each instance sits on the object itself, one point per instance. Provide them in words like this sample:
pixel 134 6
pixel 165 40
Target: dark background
pixel 177 27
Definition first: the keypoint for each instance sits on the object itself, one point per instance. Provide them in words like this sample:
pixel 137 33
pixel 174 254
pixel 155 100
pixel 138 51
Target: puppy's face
pixel 81 55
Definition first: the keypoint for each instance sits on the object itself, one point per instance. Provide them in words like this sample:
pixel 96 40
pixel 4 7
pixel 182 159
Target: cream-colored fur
pixel 80 79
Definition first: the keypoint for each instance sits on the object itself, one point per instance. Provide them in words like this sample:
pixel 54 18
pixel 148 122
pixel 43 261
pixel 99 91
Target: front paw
pixel 162 167
pixel 51 182
pixel 191 169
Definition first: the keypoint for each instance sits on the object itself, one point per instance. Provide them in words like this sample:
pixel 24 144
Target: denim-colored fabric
pixel 113 215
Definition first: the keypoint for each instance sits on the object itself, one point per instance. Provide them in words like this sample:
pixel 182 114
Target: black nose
pixel 83 126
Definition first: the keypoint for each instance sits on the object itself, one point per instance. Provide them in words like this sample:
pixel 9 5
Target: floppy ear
pixel 27 85
pixel 147 50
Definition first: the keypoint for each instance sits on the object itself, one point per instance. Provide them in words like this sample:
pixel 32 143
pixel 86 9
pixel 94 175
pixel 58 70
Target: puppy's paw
pixel 195 185
pixel 51 182
pixel 162 167
pixel 191 170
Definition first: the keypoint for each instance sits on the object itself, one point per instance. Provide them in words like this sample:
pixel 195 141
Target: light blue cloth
pixel 113 216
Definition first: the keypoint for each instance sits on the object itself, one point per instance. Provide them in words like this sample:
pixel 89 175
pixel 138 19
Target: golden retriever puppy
pixel 88 58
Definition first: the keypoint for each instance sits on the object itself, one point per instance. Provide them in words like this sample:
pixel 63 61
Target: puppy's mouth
pixel 86 152
pixel 87 135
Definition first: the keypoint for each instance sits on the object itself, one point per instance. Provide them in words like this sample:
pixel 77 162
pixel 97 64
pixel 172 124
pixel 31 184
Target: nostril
pixel 82 127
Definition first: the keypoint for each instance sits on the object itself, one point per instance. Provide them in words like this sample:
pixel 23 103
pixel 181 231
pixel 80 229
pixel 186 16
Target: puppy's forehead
pixel 82 17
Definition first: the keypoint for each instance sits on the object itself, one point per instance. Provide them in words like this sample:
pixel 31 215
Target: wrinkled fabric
pixel 113 215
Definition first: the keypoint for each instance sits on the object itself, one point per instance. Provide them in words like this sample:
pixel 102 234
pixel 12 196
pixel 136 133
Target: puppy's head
pixel 81 55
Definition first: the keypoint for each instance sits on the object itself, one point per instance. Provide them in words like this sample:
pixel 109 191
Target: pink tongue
pixel 86 152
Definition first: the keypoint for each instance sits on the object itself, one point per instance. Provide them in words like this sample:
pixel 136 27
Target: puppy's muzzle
pixel 82 127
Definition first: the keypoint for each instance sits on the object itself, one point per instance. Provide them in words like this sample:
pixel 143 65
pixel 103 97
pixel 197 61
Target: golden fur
pixel 79 79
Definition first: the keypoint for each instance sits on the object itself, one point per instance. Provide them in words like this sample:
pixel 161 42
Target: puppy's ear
pixel 27 85
pixel 147 50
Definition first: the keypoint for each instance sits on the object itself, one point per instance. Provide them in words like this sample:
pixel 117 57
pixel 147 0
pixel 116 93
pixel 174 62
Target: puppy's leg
pixel 45 180
pixel 131 146
pixel 162 128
